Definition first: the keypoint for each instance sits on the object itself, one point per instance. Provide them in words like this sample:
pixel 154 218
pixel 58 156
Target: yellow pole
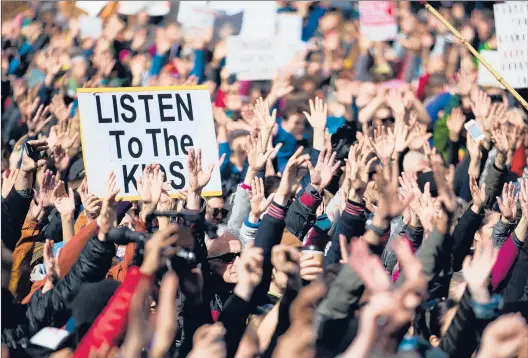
pixel 475 53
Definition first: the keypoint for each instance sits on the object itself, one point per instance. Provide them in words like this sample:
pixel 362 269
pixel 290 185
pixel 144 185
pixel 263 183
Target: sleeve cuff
pixel 354 208
pixel 252 225
pixel 245 187
pixel 310 197
pixel 277 211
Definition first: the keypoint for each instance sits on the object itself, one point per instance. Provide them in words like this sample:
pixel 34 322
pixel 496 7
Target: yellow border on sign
pixel 138 89
pixel 174 196
pixel 142 89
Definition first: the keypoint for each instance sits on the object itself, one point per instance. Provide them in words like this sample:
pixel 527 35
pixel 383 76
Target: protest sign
pixel 125 129
pixel 90 26
pixel 251 59
pixel 92 8
pixel 377 20
pixel 511 23
pixel 485 78
pixel 197 21
pixel 289 27
pixel 259 19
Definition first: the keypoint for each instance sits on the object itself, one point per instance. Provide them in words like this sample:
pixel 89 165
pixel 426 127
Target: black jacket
pixel 51 309
pixel 14 210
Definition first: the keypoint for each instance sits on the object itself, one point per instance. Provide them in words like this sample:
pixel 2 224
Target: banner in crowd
pixel 485 78
pixel 125 129
pixel 251 59
pixel 511 27
pixel 377 20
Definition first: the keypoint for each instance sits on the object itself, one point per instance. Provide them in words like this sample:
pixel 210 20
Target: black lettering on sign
pixel 118 141
pixel 100 117
pixel 186 142
pixel 167 139
pixel 145 98
pixel 177 174
pixel 153 132
pixel 116 112
pixel 163 107
pixel 128 107
pixel 129 177
pixel 135 154
pixel 187 109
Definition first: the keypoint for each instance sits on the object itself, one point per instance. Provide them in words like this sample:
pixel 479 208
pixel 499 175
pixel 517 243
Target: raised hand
pixel 389 204
pixel 8 180
pixel 445 191
pixel 63 201
pixel 503 337
pixel 285 259
pixel 29 164
pixel 321 175
pixel 500 138
pixel 108 216
pixel 383 142
pixel 208 341
pixel 39 121
pixel 198 178
pixel 480 104
pixel 91 203
pixel 47 186
pixel 259 203
pixel 255 150
pixel 149 187
pixel 368 267
pixel 415 284
pixel 318 114
pixel 266 121
pixel 455 123
pixel 508 203
pixel 523 197
pixel 395 102
pixel 477 194
pixel 291 176
pixel 249 270
pixel 163 43
pixel 477 270
pixel 59 109
pixel 52 267
pixel 357 170
pixel 402 140
pixel 220 117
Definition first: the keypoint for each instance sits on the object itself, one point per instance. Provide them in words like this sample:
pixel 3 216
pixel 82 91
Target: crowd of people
pixel 359 218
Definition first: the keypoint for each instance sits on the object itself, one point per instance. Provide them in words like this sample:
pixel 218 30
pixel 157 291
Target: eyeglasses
pixel 227 257
pixel 222 211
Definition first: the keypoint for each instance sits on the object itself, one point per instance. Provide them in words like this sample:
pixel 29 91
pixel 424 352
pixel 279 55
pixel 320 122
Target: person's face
pixel 215 212
pixel 224 265
pixel 295 125
pixel 237 148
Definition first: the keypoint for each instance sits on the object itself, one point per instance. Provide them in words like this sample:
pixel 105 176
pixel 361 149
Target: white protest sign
pixel 158 8
pixel 251 59
pixel 259 19
pixel 90 26
pixel 197 20
pixel 485 78
pixel 92 8
pixel 125 129
pixel 289 27
pixel 377 20
pixel 511 23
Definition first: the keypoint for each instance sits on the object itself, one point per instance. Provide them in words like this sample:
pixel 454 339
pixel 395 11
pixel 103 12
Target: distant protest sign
pixel 251 59
pixel 511 27
pixel 485 78
pixel 377 20
pixel 125 129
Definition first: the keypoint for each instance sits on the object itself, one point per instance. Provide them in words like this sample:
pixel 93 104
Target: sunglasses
pixel 227 257
pixel 222 211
